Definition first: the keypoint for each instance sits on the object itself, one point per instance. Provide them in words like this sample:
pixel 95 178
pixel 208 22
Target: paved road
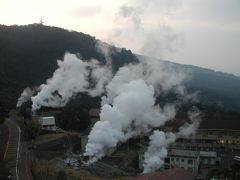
pixel 16 150
pixel 12 150
pixel 4 135
pixel 25 171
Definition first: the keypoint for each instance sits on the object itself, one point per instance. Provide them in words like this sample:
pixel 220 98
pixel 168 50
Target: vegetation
pixel 32 129
pixel 215 88
pixel 4 171
pixel 62 175
pixel 3 114
pixel 29 54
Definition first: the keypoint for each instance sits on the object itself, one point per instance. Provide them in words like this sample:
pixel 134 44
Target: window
pixel 182 160
pixel 190 161
pixel 167 160
pixel 177 159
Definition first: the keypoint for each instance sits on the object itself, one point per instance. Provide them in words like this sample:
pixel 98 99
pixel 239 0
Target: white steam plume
pixel 157 150
pixel 159 142
pixel 106 50
pixel 132 113
pixel 129 107
pixel 153 40
pixel 190 128
pixel 25 96
pixel 73 76
pixel 163 78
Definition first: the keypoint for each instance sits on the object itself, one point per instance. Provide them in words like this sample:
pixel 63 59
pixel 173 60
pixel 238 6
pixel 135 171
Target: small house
pixel 47 123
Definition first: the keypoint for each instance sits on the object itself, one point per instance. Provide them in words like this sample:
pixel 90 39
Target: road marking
pixel 6 147
pixel 19 133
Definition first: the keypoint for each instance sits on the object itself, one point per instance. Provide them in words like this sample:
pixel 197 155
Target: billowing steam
pixel 132 113
pixel 129 106
pixel 157 150
pixel 162 78
pixel 190 128
pixel 73 76
pixel 156 40
pixel 129 109
pixel 159 141
pixel 25 96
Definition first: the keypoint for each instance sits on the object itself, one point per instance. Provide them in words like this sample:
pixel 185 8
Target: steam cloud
pixel 129 109
pixel 25 96
pixel 159 141
pixel 73 76
pixel 154 41
pixel 157 150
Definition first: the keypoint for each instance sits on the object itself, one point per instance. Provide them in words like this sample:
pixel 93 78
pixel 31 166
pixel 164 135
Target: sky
pixel 204 33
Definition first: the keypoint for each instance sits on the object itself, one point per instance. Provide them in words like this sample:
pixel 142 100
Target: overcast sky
pixel 199 32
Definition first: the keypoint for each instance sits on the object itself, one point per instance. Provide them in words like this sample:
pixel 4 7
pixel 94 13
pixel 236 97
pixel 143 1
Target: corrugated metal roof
pixel 47 120
pixel 183 153
pixel 208 154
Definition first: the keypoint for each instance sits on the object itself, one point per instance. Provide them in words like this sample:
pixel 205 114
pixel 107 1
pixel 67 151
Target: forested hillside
pixel 215 88
pixel 29 54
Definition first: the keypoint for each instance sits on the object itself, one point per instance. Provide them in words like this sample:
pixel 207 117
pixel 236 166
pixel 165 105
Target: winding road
pixel 11 151
pixel 15 151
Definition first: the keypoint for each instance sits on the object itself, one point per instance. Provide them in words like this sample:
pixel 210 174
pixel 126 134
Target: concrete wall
pixel 189 164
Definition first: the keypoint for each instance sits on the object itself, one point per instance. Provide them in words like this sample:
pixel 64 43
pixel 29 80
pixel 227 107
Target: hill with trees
pixel 29 54
pixel 216 89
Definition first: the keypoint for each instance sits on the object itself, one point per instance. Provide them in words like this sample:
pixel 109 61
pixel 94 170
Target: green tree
pixel 33 129
pixel 62 175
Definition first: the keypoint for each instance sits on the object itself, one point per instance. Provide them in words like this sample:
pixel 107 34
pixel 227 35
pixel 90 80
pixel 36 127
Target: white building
pixel 208 158
pixel 186 159
pixel 223 140
pixel 47 123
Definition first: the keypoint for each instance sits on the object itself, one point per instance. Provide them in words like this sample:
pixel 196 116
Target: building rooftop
pixel 170 174
pixel 47 120
pixel 208 154
pixel 47 117
pixel 183 153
